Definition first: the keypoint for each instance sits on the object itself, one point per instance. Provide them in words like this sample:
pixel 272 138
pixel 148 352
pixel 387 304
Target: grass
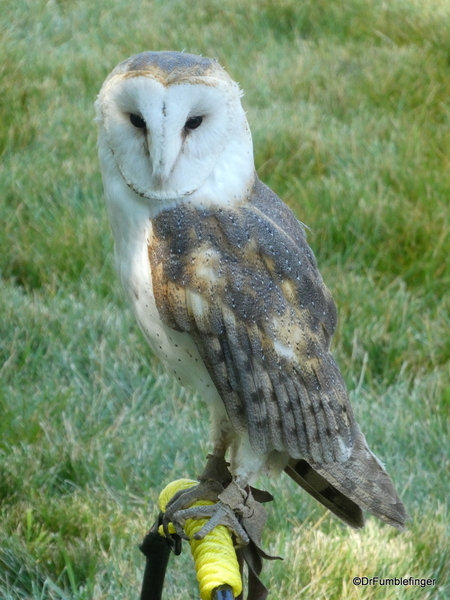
pixel 348 105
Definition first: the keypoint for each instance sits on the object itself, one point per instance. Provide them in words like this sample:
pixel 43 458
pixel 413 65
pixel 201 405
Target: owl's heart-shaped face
pixel 167 127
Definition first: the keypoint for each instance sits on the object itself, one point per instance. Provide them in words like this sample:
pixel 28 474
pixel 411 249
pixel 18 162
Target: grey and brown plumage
pixel 224 284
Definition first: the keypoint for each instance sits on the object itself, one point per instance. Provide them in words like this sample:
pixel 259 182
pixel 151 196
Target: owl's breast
pixel 176 350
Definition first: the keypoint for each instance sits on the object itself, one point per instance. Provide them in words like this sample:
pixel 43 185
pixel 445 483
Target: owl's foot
pixel 218 513
pixel 234 507
pixel 213 481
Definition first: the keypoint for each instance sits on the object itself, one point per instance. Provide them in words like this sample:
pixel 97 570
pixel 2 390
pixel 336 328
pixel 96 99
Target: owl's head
pixel 169 121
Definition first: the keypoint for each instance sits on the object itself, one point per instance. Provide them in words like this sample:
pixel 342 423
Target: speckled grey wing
pixel 244 283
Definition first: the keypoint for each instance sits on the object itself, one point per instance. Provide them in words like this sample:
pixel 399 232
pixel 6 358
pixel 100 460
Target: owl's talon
pixel 166 521
pixel 180 531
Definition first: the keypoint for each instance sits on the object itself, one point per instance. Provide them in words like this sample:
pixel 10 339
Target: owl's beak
pixel 163 156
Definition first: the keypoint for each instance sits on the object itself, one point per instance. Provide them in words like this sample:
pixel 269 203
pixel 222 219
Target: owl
pixel 227 291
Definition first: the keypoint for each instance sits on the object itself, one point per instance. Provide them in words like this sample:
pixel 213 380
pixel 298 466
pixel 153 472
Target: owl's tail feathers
pixel 347 487
pixel 325 493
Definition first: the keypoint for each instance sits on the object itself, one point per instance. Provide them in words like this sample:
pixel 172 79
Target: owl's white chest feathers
pixel 176 350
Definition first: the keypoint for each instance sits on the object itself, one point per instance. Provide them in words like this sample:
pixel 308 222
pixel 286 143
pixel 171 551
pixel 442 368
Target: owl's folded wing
pixel 244 284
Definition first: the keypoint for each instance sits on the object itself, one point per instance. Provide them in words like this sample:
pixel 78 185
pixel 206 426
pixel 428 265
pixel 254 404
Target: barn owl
pixel 226 290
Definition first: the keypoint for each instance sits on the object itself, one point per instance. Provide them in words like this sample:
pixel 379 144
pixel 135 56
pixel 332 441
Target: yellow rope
pixel 214 555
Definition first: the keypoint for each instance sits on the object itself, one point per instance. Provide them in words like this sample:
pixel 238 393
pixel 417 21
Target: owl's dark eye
pixel 138 121
pixel 193 122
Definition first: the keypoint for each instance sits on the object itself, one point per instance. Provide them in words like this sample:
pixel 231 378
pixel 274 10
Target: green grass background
pixel 348 101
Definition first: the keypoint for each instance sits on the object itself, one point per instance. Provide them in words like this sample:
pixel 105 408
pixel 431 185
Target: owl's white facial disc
pixel 167 128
